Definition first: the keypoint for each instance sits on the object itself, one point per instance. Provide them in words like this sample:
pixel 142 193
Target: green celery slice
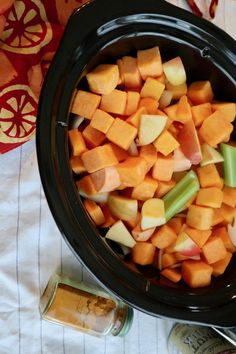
pixel 178 196
pixel 229 164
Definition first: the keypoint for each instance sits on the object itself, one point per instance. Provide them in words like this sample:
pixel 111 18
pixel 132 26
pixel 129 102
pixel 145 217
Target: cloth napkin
pixel 30 31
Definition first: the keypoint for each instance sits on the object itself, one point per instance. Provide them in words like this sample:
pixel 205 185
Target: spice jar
pixel 193 339
pixel 84 308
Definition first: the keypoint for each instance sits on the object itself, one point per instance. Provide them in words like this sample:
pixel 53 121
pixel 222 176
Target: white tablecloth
pixel 31 249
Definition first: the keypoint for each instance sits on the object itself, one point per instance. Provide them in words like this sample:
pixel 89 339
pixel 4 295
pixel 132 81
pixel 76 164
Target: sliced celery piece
pixel 178 196
pixel 229 165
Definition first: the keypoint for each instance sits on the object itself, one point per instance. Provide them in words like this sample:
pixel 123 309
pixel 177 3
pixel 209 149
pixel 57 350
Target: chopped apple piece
pixel 119 233
pixel 152 213
pixel 186 246
pixel 123 208
pixel 189 143
pixel 210 155
pixel 175 71
pixel 150 128
pixel 181 163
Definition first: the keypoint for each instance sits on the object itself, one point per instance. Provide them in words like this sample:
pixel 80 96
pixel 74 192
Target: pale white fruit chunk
pixel 151 126
pixel 152 213
pixel 174 71
pixel 123 208
pixel 210 155
pixel 119 233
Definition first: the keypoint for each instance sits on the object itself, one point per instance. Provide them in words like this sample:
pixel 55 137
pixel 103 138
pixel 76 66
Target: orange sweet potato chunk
pixel 149 62
pixel 168 259
pixel 101 121
pixel 134 119
pixel 85 104
pixel 120 153
pixel 94 211
pixel 177 91
pixel 143 253
pixel 150 104
pixel 209 176
pixel 164 187
pixel 93 137
pixel 86 185
pixel 98 158
pixel 220 266
pixel 224 235
pixel 132 102
pixel 214 250
pixel 121 133
pixel 229 196
pixel 199 217
pixel 196 274
pixel 227 108
pixel 103 79
pixel 132 171
pixel 200 92
pixel 145 190
pixel 215 129
pixel 152 88
pixel 114 102
pixel 166 143
pixel 200 113
pixel 131 74
pixel 183 111
pixel 172 274
pixel 163 168
pixel 198 236
pixel 210 197
pixel 163 237
pixel 77 165
pixel 77 142
pixel 149 153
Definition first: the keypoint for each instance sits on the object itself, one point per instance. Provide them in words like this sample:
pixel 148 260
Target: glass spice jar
pixel 84 308
pixel 194 339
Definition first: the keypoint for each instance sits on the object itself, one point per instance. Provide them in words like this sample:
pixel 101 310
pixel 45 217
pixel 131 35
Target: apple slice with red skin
pixel 186 246
pixel 189 143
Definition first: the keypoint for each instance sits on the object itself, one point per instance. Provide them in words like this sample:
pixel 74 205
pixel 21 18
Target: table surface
pixel 31 249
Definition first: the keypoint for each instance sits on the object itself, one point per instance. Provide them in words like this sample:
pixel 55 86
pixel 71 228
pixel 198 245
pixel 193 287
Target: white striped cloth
pixel 32 249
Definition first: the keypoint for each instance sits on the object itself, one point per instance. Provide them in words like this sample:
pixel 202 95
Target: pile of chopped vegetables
pixel 153 162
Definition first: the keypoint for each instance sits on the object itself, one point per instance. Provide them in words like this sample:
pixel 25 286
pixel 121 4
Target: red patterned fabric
pixel 30 31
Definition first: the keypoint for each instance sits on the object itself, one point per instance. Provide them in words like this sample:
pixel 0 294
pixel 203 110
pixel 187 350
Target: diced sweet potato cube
pixel 77 142
pixel 119 62
pixel 101 121
pixel 143 253
pixel 224 235
pixel 176 224
pixel 200 113
pixel 132 77
pixel 163 168
pixel 199 217
pixel 196 274
pixel 114 102
pixel 227 213
pixel 132 171
pixel 214 250
pixel 183 111
pixel 149 62
pixel 98 158
pixel 171 111
pixel 227 108
pixel 86 185
pixel 131 223
pixel 94 211
pixel 210 197
pixel 229 196
pixel 145 190
pixel 215 129
pixel 77 165
pixel 177 91
pixel 109 218
pixel 106 180
pixel 163 237
pixel 166 143
pixel 149 153
pixel 134 119
pixel 217 217
pixel 121 133
pixel 150 104
pixel 208 176
pixel 152 88
pixel 85 104
pixel 220 266
pixel 93 137
pixel 164 187
pixel 103 79
pixel 132 102
pixel 172 274
pixel 168 259
pixel 200 92
pixel 120 153
pixel 198 236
